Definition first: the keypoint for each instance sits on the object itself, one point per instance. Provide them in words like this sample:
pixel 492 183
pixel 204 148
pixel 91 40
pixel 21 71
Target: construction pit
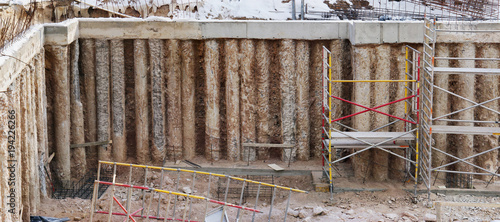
pixel 232 97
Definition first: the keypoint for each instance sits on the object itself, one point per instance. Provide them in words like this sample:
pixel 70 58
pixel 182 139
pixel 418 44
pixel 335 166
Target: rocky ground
pixel 390 205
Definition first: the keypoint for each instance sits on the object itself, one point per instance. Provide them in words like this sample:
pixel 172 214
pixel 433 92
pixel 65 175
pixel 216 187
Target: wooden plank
pixel 275 167
pixel 473 71
pixel 91 144
pixel 471 130
pixel 357 144
pixel 380 136
pixel 247 171
pixel 267 145
pixel 51 157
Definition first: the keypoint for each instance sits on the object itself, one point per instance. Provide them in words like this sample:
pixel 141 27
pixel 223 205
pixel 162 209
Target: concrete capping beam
pixel 223 29
pixel 63 33
pixel 307 30
pixel 18 55
pixel 377 32
pixel 167 29
pixel 139 29
pixel 465 37
pixel 358 32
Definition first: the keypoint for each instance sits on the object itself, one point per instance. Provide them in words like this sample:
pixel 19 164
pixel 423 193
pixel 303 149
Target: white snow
pixel 252 9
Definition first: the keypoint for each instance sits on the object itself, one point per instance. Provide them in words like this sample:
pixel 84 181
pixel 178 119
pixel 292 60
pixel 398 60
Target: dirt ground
pixel 392 204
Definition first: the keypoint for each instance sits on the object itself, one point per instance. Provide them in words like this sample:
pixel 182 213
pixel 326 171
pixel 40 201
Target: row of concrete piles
pixel 387 62
pixel 169 98
pixel 182 98
pixel 23 138
pixel 476 88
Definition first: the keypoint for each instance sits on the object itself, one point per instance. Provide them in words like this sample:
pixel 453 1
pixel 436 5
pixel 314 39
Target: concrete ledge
pixel 389 32
pixel 63 33
pixel 19 55
pixel 138 29
pixel 464 37
pixel 307 30
pixel 375 32
pixel 358 32
pixel 229 29
pixel 411 32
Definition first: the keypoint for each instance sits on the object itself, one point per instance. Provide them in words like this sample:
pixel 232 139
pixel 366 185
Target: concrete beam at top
pixel 63 33
pixel 17 56
pixel 358 32
pixel 376 32
pixel 137 28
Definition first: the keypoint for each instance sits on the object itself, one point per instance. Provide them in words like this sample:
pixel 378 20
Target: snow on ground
pixel 254 9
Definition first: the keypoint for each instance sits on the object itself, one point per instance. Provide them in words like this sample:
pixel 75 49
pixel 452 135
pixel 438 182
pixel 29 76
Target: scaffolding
pixel 430 124
pixel 145 208
pixel 362 141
